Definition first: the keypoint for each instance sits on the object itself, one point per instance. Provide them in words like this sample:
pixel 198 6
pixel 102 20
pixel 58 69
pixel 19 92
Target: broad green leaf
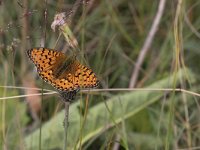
pixel 99 119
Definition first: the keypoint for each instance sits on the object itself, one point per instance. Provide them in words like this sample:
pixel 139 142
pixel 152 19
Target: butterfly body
pixel 68 66
pixel 64 73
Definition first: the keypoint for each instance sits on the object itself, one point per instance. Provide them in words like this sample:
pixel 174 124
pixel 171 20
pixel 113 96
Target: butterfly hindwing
pixel 84 77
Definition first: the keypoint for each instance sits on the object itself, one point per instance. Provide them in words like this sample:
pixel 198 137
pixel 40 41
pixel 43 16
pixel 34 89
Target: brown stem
pixel 147 43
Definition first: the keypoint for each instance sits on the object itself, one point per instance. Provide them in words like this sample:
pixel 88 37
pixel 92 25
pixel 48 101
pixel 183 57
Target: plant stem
pixel 67 103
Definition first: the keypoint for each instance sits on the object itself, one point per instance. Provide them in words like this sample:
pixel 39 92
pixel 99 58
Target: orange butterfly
pixel 64 73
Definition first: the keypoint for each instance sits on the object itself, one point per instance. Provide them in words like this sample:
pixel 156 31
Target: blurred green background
pixel 111 34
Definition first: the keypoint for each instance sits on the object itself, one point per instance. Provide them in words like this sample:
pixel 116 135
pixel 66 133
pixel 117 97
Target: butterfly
pixel 64 73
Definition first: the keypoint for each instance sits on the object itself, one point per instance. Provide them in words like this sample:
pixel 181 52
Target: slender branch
pixel 114 90
pixel 147 43
pixel 192 28
pixel 24 88
pixel 66 123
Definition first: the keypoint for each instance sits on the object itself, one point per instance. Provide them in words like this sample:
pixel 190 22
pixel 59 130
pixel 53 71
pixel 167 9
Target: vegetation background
pixel 145 54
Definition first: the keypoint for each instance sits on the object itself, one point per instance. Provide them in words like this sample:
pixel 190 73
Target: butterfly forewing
pixel 44 59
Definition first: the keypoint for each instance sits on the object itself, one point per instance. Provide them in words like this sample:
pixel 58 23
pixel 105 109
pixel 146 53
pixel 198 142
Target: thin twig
pixel 147 43
pixel 75 7
pixel 192 28
pixel 66 123
pixel 113 90
pixel 188 22
pixel 24 88
pixel 24 43
pixel 116 145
